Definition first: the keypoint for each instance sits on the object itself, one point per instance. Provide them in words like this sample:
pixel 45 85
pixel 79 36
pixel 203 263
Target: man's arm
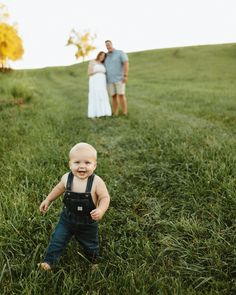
pixel 125 71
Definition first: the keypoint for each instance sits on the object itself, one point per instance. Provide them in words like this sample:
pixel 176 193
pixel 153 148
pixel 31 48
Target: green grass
pixel 169 167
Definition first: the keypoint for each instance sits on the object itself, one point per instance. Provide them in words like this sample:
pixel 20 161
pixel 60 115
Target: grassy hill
pixel 169 167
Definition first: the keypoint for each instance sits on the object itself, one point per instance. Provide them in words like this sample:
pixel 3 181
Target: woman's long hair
pixel 99 54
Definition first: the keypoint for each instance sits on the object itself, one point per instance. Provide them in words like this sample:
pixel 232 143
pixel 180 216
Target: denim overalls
pixel 75 220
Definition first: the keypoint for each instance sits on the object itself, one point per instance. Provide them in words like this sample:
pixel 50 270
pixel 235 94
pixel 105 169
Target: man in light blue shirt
pixel 117 67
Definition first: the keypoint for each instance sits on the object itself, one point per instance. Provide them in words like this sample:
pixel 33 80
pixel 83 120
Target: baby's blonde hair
pixel 83 146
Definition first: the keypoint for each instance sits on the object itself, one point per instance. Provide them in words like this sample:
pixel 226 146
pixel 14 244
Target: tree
pixel 4 15
pixel 83 42
pixel 10 43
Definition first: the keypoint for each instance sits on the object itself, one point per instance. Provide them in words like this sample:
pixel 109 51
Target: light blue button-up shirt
pixel 114 65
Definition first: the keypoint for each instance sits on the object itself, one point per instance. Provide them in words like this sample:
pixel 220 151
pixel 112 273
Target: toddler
pixel 86 199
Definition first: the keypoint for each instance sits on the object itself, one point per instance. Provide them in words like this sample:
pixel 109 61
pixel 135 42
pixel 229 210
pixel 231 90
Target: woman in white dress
pixel 98 99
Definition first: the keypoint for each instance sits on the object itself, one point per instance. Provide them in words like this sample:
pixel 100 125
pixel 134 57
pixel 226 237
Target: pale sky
pixel 132 25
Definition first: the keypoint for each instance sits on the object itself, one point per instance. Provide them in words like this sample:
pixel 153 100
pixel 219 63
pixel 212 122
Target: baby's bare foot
pixel 44 266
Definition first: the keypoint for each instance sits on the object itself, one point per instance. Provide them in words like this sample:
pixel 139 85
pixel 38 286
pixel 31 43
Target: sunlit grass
pixel 169 167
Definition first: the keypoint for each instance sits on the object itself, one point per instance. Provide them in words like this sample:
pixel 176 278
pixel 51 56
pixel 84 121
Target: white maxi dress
pixel 98 99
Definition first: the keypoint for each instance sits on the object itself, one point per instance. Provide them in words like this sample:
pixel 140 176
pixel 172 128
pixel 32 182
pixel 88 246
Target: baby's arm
pixel 54 194
pixel 103 200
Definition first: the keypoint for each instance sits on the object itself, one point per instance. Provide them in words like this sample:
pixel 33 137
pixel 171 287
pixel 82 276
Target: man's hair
pixel 108 41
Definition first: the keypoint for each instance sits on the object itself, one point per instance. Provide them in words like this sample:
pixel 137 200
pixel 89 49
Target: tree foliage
pixel 83 42
pixel 4 15
pixel 11 46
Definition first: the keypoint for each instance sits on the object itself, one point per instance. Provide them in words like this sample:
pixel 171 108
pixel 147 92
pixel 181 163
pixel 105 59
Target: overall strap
pixel 89 183
pixel 69 181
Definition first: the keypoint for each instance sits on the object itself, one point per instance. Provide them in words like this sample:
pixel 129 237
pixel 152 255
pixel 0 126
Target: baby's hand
pixel 44 206
pixel 96 214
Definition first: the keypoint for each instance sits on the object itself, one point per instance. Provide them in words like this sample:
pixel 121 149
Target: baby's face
pixel 82 163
